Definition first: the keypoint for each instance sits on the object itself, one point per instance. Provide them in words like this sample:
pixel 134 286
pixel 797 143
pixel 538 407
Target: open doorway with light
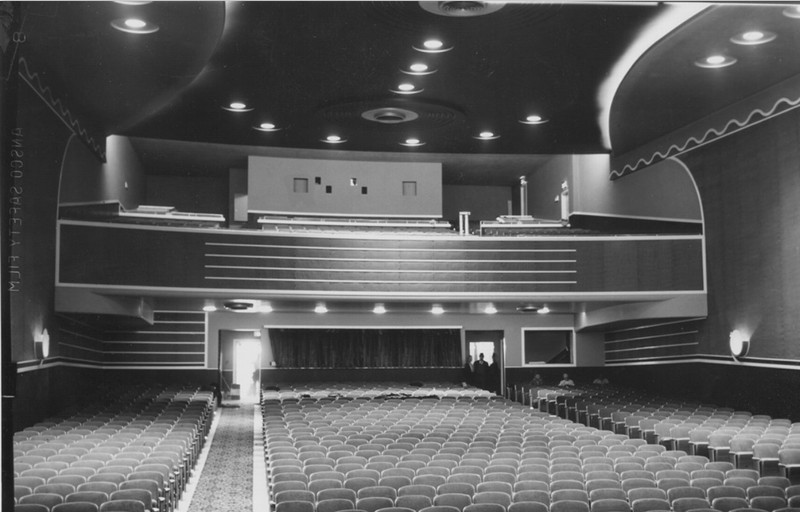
pixel 490 344
pixel 240 365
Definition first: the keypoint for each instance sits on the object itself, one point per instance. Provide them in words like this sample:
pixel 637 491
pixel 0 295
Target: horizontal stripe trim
pixel 75 363
pixel 386 281
pixel 652 347
pixel 376 260
pixel 159 353
pixel 141 342
pixel 654 337
pixel 392 271
pixel 78 347
pixel 703 360
pixel 157 332
pixel 81 335
pixel 642 327
pixel 381 249
pixel 179 322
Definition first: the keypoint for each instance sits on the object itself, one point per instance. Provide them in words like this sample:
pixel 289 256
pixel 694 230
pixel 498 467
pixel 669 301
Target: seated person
pixel 536 381
pixel 600 381
pixel 566 382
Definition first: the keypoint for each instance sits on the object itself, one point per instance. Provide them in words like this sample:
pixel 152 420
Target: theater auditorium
pixel 434 256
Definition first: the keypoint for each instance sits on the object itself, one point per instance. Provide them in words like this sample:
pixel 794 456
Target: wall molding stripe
pixel 651 347
pixel 638 217
pixel 78 347
pixel 697 140
pixel 654 337
pixel 32 79
pixel 650 326
pixel 391 271
pixel 375 260
pixel 373 281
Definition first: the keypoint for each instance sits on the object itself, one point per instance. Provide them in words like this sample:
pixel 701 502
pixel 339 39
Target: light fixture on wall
pixel 320 309
pixel 739 343
pixel 41 344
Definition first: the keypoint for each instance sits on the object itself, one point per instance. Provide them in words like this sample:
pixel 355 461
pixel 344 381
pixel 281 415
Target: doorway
pixel 488 343
pixel 240 366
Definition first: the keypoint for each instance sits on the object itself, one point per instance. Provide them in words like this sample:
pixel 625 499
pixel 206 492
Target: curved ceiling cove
pixel 120 63
pixel 715 60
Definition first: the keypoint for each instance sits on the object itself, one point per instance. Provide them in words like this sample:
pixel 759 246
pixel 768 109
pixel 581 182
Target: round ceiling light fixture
pixel 754 37
pixel 461 8
pixel 715 61
pixel 238 305
pixel 433 46
pixel 333 139
pixel 266 127
pixel 389 115
pixel 418 69
pixel 406 88
pixel 134 26
pixel 792 12
pixel 412 142
pixel 237 106
pixel 533 119
pixel 487 135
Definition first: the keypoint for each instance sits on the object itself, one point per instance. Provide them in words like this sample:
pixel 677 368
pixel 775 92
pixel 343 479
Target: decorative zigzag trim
pixel 710 135
pixel 57 106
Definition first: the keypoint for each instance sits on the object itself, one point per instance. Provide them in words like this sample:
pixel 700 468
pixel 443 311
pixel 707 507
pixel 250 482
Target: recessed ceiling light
pixel 320 309
pixel 792 12
pixel 334 139
pixel 209 309
pixel 134 26
pixel 533 119
pixel 379 309
pixel 412 142
pixel 437 310
pixel 406 88
pixel 543 310
pixel 487 135
pixel 754 37
pixel 266 127
pixel 490 309
pixel 237 106
pixel 418 69
pixel 433 46
pixel 715 61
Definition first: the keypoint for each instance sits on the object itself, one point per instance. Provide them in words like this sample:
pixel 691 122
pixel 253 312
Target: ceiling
pixel 605 76
pixel 314 68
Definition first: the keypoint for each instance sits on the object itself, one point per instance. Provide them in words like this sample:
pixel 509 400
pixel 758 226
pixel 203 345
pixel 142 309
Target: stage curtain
pixel 366 348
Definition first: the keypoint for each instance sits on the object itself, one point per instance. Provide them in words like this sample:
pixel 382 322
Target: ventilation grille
pixel 461 8
pixel 391 112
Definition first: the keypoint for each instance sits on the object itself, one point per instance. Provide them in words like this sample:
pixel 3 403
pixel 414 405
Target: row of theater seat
pixel 393 452
pixel 132 450
pixel 757 441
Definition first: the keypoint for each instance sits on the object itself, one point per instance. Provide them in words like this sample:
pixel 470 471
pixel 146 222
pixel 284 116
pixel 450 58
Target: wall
pixel 511 324
pixel 198 194
pixel 750 187
pixel 544 184
pixel 86 179
pixel 271 182
pixel 483 202
pixel 662 191
pixel 31 200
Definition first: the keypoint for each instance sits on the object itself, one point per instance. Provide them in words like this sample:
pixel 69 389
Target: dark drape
pixel 366 348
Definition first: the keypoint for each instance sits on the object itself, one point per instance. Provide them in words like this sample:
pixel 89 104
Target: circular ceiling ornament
pixel 390 115
pixel 461 8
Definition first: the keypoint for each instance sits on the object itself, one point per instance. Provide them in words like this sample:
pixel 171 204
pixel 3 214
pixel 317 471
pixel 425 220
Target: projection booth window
pixel 547 347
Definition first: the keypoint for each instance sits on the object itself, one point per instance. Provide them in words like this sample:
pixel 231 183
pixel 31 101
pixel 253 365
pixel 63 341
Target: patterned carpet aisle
pixel 226 483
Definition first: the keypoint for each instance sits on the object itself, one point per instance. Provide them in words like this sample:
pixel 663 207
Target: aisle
pixel 226 480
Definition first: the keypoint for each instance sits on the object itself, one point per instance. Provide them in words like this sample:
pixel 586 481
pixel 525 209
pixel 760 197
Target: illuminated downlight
pixel 134 26
pixel 490 309
pixel 437 310
pixel 379 309
pixel 533 119
pixel 487 135
pixel 406 88
pixel 320 309
pixel 266 127
pixel 754 37
pixel 433 46
pixel 715 61
pixel 412 142
pixel 334 139
pixel 237 106
pixel 418 69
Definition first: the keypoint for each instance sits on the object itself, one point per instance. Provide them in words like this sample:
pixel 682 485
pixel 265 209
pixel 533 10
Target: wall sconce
pixel 738 343
pixel 41 344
